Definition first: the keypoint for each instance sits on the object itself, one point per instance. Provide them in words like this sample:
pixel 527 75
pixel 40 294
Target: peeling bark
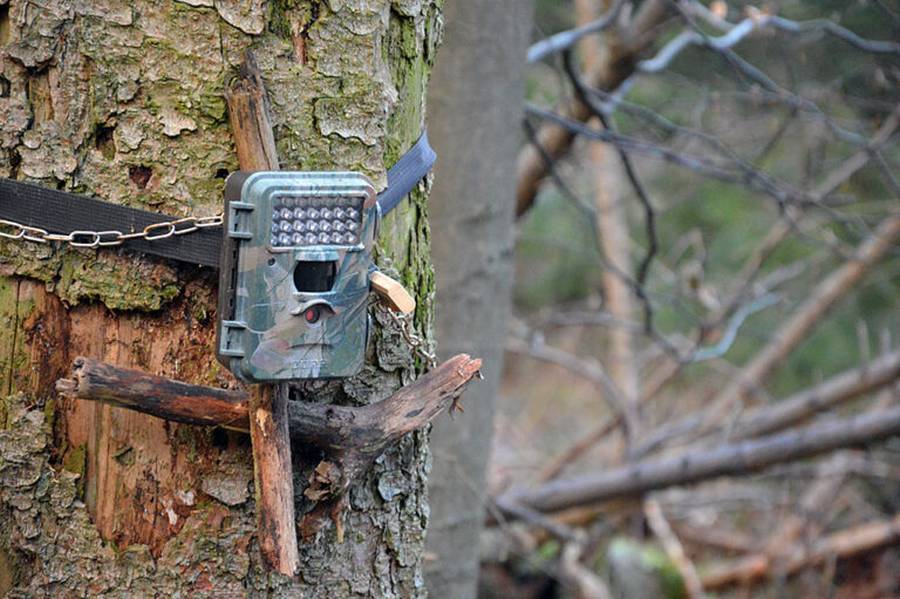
pixel 125 101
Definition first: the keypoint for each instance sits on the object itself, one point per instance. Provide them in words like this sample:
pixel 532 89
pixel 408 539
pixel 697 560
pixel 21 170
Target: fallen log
pixel 706 463
pixel 839 389
pixel 843 544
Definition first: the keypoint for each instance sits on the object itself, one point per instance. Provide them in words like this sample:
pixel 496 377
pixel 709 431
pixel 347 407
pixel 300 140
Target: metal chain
pixel 182 226
pixel 418 344
pixel 92 239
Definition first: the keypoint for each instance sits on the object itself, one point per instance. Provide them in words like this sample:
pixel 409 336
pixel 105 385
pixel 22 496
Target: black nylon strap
pixel 403 177
pixel 62 212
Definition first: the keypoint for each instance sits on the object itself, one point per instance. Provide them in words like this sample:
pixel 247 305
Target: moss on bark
pixel 123 101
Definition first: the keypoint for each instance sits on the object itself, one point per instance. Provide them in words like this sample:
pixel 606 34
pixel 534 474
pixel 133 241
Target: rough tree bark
pixel 475 126
pixel 124 101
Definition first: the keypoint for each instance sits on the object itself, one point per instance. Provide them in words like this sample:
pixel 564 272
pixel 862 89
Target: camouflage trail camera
pixel 296 269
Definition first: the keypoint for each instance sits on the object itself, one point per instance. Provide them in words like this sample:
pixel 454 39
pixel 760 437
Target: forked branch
pixel 368 429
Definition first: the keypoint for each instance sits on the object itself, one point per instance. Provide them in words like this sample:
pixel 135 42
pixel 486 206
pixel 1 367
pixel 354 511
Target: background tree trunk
pixel 475 124
pixel 124 101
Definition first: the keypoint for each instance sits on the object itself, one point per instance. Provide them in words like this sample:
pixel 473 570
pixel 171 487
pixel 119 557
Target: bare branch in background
pixel 846 543
pixel 614 238
pixel 723 169
pixel 640 190
pixel 673 547
pixel 807 403
pixel 707 463
pixel 819 302
pixel 566 39
pixel 731 331
pixel 789 26
pixel 555 140
pixel 694 310
pixel 724 45
pixel 792 410
pixel 582 579
pixel 746 276
pixel 556 467
pixel 588 369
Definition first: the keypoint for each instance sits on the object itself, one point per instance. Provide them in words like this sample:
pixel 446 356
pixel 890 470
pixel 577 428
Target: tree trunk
pixel 125 101
pixel 475 124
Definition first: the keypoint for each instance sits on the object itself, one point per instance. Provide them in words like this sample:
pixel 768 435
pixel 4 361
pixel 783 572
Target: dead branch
pixel 807 403
pixel 368 429
pixel 843 544
pixel 733 459
pixel 820 300
pixel 590 370
pixel 254 142
pixel 660 526
pixel 254 139
pixel 351 437
pixel 273 477
pixel 554 140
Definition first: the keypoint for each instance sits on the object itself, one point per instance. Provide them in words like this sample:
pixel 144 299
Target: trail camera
pixel 295 276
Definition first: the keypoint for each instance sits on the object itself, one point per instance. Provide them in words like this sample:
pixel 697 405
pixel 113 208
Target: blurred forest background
pixel 706 282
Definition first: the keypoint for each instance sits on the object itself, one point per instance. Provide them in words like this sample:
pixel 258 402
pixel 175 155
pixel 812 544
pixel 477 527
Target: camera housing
pixel 294 280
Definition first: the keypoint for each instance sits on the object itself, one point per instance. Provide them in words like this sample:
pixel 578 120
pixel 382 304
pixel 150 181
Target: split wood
pixel 254 142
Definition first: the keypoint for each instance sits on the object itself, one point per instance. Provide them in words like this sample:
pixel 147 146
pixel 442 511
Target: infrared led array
pixel 305 221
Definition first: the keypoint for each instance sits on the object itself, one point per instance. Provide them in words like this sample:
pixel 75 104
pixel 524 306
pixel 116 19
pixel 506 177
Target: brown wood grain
pixel 130 477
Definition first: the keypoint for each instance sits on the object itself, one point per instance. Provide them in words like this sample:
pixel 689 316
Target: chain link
pixel 92 239
pixel 418 344
pixel 183 226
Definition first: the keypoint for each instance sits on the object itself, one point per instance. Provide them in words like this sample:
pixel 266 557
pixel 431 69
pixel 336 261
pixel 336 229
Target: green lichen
pixel 287 17
pixel 117 279
pixel 632 560
pixel 14 358
pixel 75 461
